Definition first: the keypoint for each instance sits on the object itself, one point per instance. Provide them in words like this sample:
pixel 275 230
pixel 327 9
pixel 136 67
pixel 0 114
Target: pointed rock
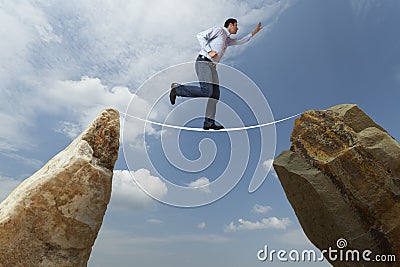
pixel 342 178
pixel 53 217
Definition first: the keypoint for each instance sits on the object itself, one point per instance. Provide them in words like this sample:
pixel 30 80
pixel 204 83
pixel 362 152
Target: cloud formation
pixel 267 223
pixel 268 164
pixel 261 209
pixel 154 221
pixel 201 184
pixel 269 167
pixel 201 225
pixel 126 195
pixel 85 99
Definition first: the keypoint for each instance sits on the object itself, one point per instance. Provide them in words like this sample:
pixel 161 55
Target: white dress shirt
pixel 218 39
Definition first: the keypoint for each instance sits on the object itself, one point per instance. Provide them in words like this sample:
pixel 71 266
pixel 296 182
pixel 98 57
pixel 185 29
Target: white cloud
pixel 154 221
pixel 202 225
pixel 11 136
pixel 261 209
pixel 127 195
pixel 267 223
pixel 86 98
pixel 18 34
pixel 268 164
pixel 69 129
pixel 202 184
pixel 24 27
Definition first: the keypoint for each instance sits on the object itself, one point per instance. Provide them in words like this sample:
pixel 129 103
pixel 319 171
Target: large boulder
pixel 53 217
pixel 342 178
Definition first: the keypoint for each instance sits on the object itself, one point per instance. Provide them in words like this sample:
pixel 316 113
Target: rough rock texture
pixel 53 217
pixel 342 178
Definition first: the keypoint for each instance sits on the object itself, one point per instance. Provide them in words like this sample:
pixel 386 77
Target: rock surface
pixel 53 217
pixel 342 178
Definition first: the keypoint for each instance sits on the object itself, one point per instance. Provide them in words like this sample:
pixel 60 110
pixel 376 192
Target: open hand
pixel 256 30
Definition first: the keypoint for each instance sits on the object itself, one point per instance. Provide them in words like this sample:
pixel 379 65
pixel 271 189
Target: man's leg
pixel 213 100
pixel 209 87
pixel 204 73
pixel 210 112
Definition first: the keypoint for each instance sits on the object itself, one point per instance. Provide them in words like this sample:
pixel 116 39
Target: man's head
pixel 231 25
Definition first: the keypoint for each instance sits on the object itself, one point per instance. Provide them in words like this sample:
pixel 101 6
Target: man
pixel 213 44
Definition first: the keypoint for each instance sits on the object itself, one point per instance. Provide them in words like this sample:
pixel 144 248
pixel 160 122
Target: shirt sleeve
pixel 205 37
pixel 245 39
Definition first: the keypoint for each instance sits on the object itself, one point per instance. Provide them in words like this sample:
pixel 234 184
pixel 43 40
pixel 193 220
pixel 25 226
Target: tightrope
pixel 202 130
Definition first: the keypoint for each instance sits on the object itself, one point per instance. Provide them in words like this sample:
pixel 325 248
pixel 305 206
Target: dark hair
pixel 229 21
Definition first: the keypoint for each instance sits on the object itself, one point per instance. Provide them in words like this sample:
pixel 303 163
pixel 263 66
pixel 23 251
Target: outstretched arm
pixel 256 30
pixel 232 41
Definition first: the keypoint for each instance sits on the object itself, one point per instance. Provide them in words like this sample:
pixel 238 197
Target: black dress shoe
pixel 213 127
pixel 172 94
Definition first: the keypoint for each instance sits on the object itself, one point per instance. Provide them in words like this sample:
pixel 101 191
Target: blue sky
pixel 62 62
